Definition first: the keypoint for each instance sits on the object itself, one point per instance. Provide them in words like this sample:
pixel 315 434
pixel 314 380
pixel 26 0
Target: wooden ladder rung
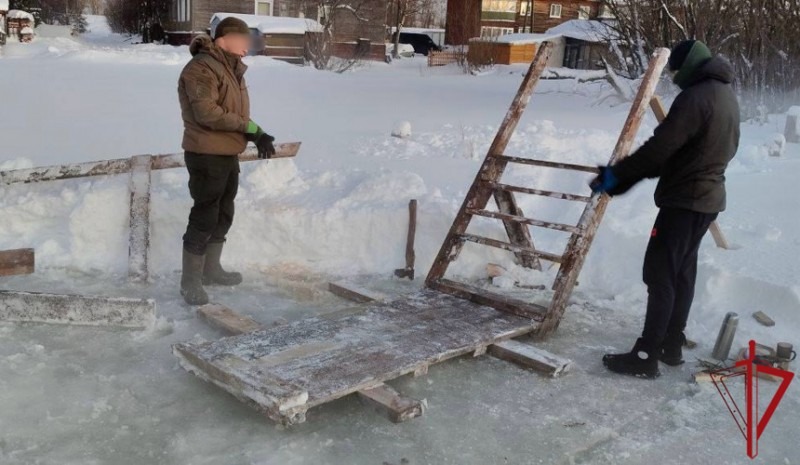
pixel 522 219
pixel 483 297
pixel 544 193
pixel 511 247
pixel 548 164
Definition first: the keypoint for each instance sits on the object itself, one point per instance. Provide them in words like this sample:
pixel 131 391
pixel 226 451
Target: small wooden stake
pixel 139 239
pixel 408 271
pixel 227 320
pixel 15 262
pixel 531 357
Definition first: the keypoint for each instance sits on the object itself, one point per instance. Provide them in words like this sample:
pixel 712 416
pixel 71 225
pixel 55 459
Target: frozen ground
pixel 73 395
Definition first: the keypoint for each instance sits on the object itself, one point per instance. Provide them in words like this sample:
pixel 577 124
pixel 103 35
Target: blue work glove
pixel 605 181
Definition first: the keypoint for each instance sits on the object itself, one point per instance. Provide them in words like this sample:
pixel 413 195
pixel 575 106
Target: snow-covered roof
pixel 581 29
pixel 19 14
pixel 26 30
pixel 420 30
pixel 271 24
pixel 524 38
pixel 3 5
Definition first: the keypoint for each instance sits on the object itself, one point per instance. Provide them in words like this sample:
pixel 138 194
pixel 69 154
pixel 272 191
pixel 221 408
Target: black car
pixel 422 43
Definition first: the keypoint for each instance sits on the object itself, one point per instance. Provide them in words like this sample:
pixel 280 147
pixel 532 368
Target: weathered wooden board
pixel 76 309
pixel 288 369
pixel 388 401
pixel 531 357
pixel 227 320
pixel 18 261
pixel 119 166
pixel 356 294
pixel 139 224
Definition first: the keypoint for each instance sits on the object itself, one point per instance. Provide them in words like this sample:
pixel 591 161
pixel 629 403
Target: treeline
pixel 761 38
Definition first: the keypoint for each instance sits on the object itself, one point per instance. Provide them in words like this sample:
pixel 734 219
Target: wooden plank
pixel 544 193
pixel 531 357
pixel 356 294
pixel 119 166
pixel 490 171
pixel 550 164
pixel 716 232
pixel 396 407
pixel 77 309
pixel 332 358
pixel 408 271
pixel 139 230
pixel 517 233
pixel 510 247
pixel 578 246
pixel 520 219
pixel 227 320
pixel 16 262
pixel 494 300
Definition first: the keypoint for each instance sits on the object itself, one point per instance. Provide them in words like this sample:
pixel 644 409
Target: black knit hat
pixel 679 54
pixel 231 25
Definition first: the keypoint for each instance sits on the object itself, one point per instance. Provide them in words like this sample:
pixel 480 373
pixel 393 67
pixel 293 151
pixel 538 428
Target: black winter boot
pixel 192 279
pixel 640 362
pixel 213 272
pixel 671 349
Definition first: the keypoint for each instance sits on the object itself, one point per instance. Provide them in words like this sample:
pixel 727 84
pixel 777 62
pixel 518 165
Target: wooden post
pixel 408 271
pixel 716 232
pixel 139 239
pixel 14 262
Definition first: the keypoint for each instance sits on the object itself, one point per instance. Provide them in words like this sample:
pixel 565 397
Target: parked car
pixel 405 50
pixel 422 43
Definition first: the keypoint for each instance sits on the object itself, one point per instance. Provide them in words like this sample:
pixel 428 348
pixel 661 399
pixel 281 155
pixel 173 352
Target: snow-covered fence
pixel 139 167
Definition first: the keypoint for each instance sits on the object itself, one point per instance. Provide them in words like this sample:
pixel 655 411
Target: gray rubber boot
pixel 213 272
pixel 192 279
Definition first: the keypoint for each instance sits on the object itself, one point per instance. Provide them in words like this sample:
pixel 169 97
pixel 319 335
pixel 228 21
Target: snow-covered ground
pixel 72 395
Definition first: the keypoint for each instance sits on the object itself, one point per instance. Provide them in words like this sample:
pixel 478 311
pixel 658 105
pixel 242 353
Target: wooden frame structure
pixel 488 183
pixel 139 169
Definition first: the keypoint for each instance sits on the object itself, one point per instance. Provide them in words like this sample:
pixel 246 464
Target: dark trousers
pixel 670 271
pixel 213 183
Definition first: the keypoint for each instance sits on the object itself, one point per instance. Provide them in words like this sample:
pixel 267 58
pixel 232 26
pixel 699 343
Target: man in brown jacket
pixel 216 117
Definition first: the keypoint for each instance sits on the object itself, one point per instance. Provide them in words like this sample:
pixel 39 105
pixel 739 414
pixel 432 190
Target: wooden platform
pixel 286 370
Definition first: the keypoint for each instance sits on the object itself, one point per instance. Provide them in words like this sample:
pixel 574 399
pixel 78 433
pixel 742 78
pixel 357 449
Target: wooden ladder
pixel 488 184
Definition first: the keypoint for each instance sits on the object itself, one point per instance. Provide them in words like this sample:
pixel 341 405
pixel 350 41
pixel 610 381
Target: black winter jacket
pixel 692 147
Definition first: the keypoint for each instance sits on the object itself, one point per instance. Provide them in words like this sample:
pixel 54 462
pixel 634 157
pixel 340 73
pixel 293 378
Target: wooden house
pixel 467 19
pixel 585 43
pixel 19 24
pixel 513 48
pixel 281 38
pixel 188 18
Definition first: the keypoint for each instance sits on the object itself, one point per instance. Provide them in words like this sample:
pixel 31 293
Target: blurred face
pixel 236 44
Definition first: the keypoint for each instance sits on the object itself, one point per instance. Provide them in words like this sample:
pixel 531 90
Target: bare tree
pixel 401 12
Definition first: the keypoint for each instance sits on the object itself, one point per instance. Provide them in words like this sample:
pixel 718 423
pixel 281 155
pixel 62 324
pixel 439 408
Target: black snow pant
pixel 213 183
pixel 670 271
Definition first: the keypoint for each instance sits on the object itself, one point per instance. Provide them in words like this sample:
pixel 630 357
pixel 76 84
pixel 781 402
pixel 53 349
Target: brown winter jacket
pixel 214 101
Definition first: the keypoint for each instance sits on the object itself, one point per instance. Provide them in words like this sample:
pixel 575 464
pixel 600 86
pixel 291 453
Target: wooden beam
pixel 531 357
pixel 716 232
pixel 119 166
pixel 139 225
pixel 355 293
pixel 15 262
pixel 77 309
pixel 392 404
pixel 227 320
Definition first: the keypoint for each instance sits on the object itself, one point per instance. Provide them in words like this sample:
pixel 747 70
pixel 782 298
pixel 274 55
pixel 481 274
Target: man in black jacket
pixel 689 153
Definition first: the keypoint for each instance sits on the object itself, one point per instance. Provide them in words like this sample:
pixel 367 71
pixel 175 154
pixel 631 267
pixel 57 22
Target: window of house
pixel 489 31
pixel 183 10
pixel 584 12
pixel 499 10
pixel 263 8
pixel 555 10
pixel 323 14
pixel 525 8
